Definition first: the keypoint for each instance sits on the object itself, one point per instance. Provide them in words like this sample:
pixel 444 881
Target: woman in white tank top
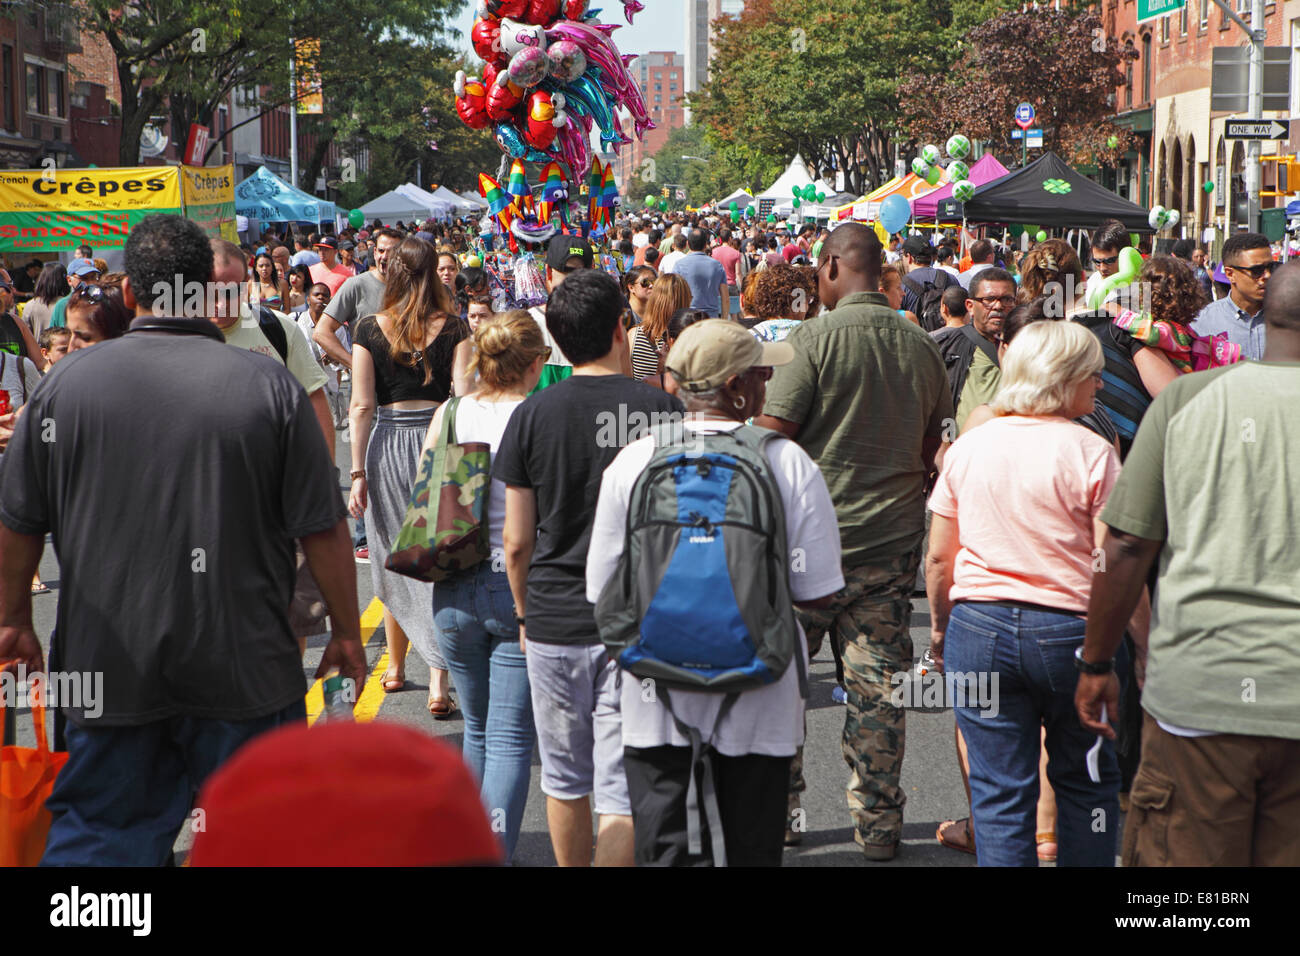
pixel 474 611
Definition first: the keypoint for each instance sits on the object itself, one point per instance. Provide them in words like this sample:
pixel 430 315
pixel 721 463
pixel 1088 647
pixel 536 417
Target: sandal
pixel 944 835
pixel 441 708
pixel 1044 839
pixel 393 683
pixel 39 587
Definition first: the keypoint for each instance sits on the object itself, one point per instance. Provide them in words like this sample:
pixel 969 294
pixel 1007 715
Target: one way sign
pixel 1255 129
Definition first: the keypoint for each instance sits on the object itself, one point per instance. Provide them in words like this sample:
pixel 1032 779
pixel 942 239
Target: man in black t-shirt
pixel 551 458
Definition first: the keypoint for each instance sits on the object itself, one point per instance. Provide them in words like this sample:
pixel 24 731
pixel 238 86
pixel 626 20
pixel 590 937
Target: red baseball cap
pixel 344 794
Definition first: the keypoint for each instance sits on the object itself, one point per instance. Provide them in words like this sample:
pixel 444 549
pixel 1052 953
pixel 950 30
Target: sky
pixel 660 26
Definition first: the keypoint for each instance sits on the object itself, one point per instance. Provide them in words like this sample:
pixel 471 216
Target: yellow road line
pixel 371 618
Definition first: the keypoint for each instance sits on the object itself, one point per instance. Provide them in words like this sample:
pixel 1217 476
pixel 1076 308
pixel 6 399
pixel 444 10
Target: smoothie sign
pixel 50 210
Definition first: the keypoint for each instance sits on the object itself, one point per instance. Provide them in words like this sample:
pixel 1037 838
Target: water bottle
pixel 338 706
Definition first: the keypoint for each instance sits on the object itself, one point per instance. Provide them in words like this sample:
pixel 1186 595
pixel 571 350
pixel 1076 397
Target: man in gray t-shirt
pixel 357 297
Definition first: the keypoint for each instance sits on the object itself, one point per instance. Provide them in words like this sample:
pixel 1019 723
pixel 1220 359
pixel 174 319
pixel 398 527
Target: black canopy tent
pixel 1048 193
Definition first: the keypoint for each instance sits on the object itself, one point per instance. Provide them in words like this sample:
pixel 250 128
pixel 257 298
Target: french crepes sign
pixel 52 210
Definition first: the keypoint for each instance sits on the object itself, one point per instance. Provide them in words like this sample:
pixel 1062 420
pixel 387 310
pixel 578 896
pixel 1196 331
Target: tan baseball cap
pixel 708 353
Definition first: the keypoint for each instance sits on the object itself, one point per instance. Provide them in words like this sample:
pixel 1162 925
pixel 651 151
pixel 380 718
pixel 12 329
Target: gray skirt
pixel 392 458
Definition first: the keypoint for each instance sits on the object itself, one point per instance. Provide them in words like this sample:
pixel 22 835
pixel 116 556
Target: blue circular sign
pixel 1025 114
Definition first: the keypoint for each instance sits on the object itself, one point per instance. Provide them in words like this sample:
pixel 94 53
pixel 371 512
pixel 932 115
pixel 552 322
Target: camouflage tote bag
pixel 445 530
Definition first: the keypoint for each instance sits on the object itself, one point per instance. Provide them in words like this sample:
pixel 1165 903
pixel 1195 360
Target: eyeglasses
pixel 1105 261
pixel 1264 268
pixel 989 301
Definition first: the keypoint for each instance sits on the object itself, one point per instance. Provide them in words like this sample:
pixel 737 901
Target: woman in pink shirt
pixel 1012 551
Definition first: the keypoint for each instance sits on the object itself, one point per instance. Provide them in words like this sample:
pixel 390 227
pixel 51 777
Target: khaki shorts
pixel 307 610
pixel 1225 800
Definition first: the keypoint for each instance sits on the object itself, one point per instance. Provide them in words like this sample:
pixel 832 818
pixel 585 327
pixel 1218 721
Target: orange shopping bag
pixel 26 780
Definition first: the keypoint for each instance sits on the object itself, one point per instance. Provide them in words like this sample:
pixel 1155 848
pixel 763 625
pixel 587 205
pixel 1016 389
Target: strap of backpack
pixel 981 343
pixel 274 332
pixel 706 793
pixel 915 286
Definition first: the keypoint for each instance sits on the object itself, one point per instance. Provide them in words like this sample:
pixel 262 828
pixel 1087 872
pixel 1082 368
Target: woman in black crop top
pixel 404 365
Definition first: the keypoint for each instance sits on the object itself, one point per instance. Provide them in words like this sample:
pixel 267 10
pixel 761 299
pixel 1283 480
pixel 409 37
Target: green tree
pixel 803 76
pixel 1059 60
pixel 182 58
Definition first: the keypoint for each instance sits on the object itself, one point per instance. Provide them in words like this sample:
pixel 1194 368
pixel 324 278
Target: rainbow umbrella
pixel 517 186
pixel 497 198
pixel 553 191
pixel 608 195
pixel 594 177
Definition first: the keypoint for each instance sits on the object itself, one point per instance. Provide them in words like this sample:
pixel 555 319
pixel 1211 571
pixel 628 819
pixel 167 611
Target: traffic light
pixel 664 192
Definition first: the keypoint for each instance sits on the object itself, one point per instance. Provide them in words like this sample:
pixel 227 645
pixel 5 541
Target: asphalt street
pixel 931 779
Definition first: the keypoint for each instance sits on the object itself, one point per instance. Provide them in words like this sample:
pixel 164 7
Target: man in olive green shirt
pixel 868 399
pixel 1209 488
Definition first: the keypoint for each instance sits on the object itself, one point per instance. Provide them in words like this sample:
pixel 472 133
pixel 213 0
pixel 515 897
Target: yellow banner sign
pixel 58 190
pixel 209 193
pixel 310 98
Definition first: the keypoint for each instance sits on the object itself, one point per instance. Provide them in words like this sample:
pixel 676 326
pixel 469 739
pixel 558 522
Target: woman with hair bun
pixel 474 611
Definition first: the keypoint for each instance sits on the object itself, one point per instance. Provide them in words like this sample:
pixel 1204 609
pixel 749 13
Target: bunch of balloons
pixel 1159 217
pixel 551 72
pixel 808 193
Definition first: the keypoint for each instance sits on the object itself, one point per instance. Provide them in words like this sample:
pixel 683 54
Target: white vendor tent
pixel 394 205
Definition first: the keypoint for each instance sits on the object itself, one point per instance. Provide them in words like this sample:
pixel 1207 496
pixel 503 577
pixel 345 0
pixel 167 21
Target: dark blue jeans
pixel 1031 655
pixel 479 636
pixel 124 793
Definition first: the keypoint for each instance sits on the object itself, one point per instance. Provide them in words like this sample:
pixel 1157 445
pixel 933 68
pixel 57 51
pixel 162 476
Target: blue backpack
pixel 700 598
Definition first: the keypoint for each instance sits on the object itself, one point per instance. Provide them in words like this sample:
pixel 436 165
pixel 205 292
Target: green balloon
pixel 356 218
pixel 733 207
pixel 1208 185
pixel 1040 236
pixel 821 197
pixel 771 217
pixel 735 215
pixel 1112 142
pixel 933 176
pixel 649 199
pixel 796 202
pixel 663 204
pixel 795 190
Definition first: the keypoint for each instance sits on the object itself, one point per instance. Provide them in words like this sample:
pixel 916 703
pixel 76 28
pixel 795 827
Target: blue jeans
pixel 124 793
pixel 1031 655
pixel 479 636
pixel 359 539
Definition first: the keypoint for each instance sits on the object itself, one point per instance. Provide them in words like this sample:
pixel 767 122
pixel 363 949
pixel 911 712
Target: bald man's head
pixel 858 251
pixel 1282 297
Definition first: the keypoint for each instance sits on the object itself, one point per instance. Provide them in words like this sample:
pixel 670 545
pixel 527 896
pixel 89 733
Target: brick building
pixel 1165 100
pixel 34 112
pixel 661 78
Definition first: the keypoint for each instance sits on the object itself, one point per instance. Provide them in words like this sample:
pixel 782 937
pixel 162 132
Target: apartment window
pixel 1128 84
pixel 1146 67
pixel 1205 13
pixel 1182 21
pixel 54 90
pixel 35 88
pixel 1164 29
pixel 659 87
pixel 8 66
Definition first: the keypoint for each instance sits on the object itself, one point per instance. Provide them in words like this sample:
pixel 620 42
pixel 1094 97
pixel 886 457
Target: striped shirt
pixel 1123 396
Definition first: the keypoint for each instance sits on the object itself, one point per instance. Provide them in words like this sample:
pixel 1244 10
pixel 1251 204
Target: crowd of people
pixel 714 449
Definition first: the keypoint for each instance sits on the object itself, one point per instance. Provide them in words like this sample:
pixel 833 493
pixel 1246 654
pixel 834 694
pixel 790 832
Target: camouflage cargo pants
pixel 868 623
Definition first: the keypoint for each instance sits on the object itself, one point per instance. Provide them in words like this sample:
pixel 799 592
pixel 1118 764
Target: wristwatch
pixel 359 473
pixel 1086 667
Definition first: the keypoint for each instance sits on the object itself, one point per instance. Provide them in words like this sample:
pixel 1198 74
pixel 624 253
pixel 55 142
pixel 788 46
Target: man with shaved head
pixel 1208 487
pixel 867 397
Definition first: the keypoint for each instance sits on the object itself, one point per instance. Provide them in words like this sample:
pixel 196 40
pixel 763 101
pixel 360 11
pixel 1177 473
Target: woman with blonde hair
pixel 474 611
pixel 646 343
pixel 402 370
pixel 1008 575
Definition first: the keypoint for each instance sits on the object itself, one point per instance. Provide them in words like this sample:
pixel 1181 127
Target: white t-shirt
pixel 486 422
pixel 640 239
pixel 301 316
pixel 19 377
pixel 667 263
pixel 767 720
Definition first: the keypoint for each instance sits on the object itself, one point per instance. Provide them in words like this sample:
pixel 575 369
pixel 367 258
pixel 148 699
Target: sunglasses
pixel 1107 261
pixel 93 293
pixel 646 283
pixel 546 353
pixel 988 301
pixel 1256 272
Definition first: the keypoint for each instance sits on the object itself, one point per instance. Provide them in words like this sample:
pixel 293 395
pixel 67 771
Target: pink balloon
pixel 529 67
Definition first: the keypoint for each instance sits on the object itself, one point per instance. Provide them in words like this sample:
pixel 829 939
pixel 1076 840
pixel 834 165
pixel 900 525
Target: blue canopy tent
pixel 266 197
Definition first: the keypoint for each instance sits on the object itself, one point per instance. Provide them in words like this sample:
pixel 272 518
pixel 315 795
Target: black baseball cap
pixel 917 247
pixel 563 248
pixel 331 242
